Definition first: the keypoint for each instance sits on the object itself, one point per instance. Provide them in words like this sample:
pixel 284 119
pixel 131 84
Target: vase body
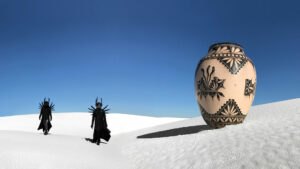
pixel 225 82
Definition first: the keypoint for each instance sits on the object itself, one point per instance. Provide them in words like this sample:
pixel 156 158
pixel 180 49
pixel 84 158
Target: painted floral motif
pixel 210 86
pixel 249 87
pixel 234 64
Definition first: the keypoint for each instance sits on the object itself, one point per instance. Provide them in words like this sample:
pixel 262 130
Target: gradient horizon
pixel 139 56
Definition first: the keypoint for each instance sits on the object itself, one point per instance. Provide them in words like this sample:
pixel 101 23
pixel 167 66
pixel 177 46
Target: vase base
pixel 219 120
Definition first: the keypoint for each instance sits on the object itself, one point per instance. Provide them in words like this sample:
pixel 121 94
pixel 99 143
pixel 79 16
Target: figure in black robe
pixel 99 119
pixel 46 116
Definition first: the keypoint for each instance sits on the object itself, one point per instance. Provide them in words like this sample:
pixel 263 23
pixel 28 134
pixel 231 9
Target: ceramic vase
pixel 225 82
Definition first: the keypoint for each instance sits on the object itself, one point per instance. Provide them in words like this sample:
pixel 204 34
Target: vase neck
pixel 220 48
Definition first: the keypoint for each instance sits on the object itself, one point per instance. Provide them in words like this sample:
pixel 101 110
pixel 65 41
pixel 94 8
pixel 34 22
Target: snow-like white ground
pixel 22 146
pixel 268 138
pixel 78 124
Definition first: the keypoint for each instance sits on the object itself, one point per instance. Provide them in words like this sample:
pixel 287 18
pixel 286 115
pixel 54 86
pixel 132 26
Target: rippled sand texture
pixel 269 138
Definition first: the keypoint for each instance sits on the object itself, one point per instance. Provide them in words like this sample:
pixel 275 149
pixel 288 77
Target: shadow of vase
pixel 176 132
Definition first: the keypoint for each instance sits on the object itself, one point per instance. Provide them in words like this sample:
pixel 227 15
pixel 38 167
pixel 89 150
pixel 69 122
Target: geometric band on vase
pixel 229 113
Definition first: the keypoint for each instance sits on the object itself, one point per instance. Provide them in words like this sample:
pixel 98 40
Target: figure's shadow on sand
pixel 176 132
pixel 44 134
pixel 91 140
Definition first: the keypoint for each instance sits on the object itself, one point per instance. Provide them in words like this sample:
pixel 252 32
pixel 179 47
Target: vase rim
pixel 225 43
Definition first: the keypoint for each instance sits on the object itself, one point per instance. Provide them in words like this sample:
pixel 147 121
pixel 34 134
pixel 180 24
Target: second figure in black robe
pixel 46 116
pixel 99 123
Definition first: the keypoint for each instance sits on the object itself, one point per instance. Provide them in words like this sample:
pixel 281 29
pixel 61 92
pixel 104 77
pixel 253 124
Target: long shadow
pixel 44 134
pixel 91 140
pixel 176 131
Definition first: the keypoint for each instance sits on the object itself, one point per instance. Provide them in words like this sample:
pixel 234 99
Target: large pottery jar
pixel 225 82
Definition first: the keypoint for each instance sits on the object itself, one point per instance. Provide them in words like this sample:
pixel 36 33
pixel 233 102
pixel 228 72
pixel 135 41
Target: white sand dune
pixel 23 150
pixel 269 138
pixel 23 147
pixel 78 124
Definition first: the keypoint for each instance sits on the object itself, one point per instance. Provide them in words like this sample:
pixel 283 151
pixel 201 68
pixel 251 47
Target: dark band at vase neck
pixel 223 44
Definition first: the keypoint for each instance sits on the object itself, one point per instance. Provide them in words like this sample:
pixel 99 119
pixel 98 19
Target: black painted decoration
pixel 230 108
pixel 249 87
pixel 229 113
pixel 233 64
pixel 209 85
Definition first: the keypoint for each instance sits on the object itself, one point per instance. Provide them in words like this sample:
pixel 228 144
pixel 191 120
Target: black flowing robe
pixel 100 128
pixel 46 118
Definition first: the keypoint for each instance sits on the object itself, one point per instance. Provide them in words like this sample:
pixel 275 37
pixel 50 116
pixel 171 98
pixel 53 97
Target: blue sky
pixel 140 56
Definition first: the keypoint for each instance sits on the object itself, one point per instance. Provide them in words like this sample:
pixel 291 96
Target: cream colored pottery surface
pixel 225 77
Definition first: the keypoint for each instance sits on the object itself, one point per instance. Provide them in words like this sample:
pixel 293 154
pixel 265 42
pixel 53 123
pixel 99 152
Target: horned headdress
pixel 47 103
pixel 92 108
